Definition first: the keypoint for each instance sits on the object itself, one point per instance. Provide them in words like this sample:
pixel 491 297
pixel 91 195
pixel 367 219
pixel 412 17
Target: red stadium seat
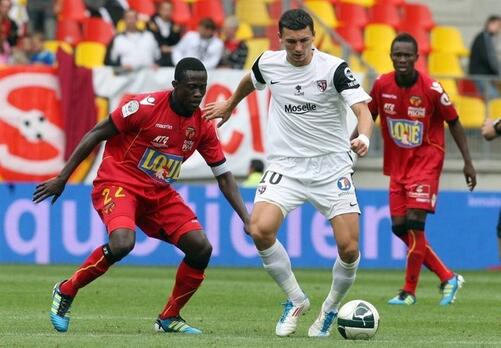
pixel 419 15
pixel 422 63
pixel 353 36
pixel 72 10
pixel 275 8
pixel 385 14
pixel 69 31
pixel 181 13
pixel 351 15
pixel 146 7
pixel 391 2
pixel 207 9
pixel 469 88
pixel 97 30
pixel 420 34
pixel 272 35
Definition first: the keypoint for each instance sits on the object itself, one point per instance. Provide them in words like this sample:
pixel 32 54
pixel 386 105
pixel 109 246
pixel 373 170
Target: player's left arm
pixel 228 186
pixel 459 136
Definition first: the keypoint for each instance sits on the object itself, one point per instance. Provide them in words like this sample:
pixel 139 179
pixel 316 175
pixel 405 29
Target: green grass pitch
pixel 238 308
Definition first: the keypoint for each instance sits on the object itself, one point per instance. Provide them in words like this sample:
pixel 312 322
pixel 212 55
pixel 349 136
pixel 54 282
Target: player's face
pixel 297 44
pixel 191 89
pixel 404 57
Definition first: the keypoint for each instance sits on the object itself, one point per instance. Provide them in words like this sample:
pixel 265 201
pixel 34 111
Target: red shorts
pixel 417 193
pixel 161 213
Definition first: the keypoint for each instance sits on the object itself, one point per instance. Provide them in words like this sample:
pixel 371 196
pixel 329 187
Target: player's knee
pixel 200 256
pixel 349 254
pixel 121 244
pixel 399 230
pixel 260 236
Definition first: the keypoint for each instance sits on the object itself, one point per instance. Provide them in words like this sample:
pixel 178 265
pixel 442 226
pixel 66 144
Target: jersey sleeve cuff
pixel 220 169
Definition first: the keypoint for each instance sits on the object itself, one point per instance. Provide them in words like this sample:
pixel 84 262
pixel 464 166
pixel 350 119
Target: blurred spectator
pixel 109 10
pixel 38 54
pixel 22 52
pixel 166 32
pixel 132 49
pixel 202 44
pixel 41 17
pixel 19 14
pixel 256 170
pixel 8 28
pixel 235 51
pixel 483 57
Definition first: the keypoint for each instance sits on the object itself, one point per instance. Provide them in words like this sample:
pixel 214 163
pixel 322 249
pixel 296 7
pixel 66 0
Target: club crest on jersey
pixel 130 108
pixel 322 85
pixel 415 100
pixel 160 166
pixel 343 183
pixel 190 133
pixel 406 133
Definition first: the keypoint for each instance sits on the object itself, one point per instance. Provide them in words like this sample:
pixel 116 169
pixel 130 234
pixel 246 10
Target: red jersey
pixel 412 125
pixel 154 141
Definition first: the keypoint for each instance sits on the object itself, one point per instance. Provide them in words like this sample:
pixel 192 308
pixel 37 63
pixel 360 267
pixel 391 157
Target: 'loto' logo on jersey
pixel 300 109
pixel 163 167
pixel 406 133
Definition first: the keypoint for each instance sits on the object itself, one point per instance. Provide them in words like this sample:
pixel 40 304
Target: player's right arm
pixel 224 109
pixel 54 187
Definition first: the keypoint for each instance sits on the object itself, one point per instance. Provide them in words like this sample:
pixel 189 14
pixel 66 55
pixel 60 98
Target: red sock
pixel 188 280
pixel 432 261
pixel 95 265
pixel 415 258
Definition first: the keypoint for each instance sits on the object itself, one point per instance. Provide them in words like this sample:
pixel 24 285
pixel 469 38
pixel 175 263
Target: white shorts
pixel 332 194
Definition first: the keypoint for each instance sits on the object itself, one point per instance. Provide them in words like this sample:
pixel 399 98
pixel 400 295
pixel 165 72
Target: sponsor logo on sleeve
pixel 149 100
pixel 349 75
pixel 406 133
pixel 130 108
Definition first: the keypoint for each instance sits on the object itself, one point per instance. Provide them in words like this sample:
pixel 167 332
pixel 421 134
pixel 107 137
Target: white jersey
pixel 308 109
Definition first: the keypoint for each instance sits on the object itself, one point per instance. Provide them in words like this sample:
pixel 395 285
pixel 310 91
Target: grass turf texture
pixel 238 308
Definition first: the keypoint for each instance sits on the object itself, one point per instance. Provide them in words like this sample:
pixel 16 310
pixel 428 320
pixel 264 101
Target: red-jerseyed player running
pixel 413 108
pixel 149 137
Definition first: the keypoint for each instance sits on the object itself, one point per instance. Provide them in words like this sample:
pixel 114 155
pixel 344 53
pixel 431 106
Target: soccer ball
pixel 358 320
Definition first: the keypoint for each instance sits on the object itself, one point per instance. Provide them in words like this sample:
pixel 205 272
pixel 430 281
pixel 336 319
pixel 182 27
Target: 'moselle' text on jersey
pixel 412 124
pixel 154 141
pixel 307 113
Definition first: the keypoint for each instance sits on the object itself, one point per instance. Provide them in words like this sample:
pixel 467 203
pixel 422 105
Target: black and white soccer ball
pixel 358 320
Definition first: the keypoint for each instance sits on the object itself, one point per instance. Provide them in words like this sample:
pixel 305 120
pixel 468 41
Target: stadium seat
pixel 448 39
pixel 420 34
pixel 272 35
pixel 120 27
pixel 469 88
pixel 331 47
pixel 323 11
pixel 356 64
pixel 53 45
pixel 384 14
pixel 90 54
pixel 275 7
pixel 72 10
pixel 256 47
pixel 68 30
pixel 422 63
pixel 146 7
pixel 353 36
pixel 378 37
pixel 181 13
pixel 419 15
pixel 379 60
pixel 255 13
pixel 366 3
pixel 444 65
pixel 494 108
pixel 98 30
pixel 244 32
pixel 390 2
pixel 207 8
pixel 450 86
pixel 471 111
pixel 351 15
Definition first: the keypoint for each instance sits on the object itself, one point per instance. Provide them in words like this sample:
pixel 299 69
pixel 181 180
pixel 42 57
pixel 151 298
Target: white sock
pixel 278 265
pixel 343 277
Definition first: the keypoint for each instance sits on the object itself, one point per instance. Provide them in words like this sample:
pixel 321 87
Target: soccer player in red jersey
pixel 149 137
pixel 413 108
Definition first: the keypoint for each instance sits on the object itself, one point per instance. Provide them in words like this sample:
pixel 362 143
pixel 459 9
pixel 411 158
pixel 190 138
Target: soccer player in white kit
pixel 308 156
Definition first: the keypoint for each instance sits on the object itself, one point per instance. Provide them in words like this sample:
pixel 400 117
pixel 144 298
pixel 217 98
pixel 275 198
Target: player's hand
pixel 246 229
pixel 488 131
pixel 50 188
pixel 360 146
pixel 220 110
pixel 470 175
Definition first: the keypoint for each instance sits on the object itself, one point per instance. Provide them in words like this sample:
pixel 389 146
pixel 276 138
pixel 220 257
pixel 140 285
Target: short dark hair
pixel 295 19
pixel 208 23
pixel 185 64
pixel 257 165
pixel 405 37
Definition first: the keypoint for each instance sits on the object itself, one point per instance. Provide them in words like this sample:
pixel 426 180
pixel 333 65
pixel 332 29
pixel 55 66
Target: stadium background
pixel 46 110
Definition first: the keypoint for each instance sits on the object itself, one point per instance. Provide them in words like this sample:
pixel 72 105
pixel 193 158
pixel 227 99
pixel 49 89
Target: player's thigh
pixel 398 199
pixel 346 232
pixel 421 193
pixel 280 190
pixel 116 206
pixel 167 217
